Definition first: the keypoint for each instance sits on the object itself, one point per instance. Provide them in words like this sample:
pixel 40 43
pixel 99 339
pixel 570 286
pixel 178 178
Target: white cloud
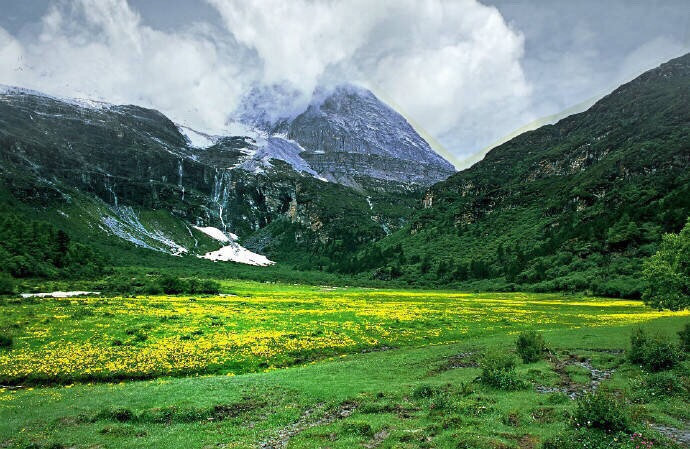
pixel 456 68
pixel 100 49
pixel 439 61
pixel 453 69
pixel 10 56
pixel 299 39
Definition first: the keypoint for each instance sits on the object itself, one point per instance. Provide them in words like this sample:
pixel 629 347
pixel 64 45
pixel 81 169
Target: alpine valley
pixel 347 186
pixel 313 273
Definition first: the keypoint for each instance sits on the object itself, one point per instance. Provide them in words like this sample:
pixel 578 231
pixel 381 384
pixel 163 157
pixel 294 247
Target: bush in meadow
pixel 171 285
pixel 638 340
pixel 655 353
pixel 498 371
pixel 652 386
pixel 601 410
pixel 6 341
pixel 530 346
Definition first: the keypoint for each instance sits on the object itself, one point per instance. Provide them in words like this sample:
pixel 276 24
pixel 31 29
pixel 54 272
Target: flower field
pixel 264 326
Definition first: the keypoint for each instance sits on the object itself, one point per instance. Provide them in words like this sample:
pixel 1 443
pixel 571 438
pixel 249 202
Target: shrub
pixel 654 353
pixel 661 353
pixel 685 338
pixel 171 285
pixel 530 346
pixel 638 340
pixel 424 391
pixel 152 289
pixel 207 286
pixel 620 287
pixel 660 385
pixel 358 428
pixel 154 285
pixel 6 284
pixel 601 410
pixel 211 287
pixel 6 341
pixel 667 273
pixel 498 371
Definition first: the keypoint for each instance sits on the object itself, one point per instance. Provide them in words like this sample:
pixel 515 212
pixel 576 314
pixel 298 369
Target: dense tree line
pixel 31 248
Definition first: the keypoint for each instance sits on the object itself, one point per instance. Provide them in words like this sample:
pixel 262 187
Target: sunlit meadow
pixel 264 326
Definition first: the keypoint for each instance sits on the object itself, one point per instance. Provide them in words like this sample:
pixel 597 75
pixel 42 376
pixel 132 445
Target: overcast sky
pixel 465 73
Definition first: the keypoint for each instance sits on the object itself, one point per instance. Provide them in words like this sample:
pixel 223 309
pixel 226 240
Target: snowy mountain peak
pixel 343 133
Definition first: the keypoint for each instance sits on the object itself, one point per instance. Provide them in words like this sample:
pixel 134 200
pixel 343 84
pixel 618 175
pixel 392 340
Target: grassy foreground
pixel 418 390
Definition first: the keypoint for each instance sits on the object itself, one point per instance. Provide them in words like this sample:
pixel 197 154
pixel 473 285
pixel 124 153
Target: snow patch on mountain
pixel 324 137
pixel 237 253
pixel 79 102
pixel 127 226
pixel 235 128
pixel 196 139
pixel 278 148
pixel 216 233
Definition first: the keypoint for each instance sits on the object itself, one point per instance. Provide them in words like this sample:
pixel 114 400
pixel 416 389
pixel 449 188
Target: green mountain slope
pixel 111 175
pixel 570 206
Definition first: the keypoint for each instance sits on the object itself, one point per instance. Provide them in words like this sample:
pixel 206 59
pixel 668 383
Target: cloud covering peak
pixel 456 68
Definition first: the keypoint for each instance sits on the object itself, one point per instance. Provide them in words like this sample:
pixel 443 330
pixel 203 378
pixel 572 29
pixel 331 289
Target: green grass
pixel 422 391
pixel 264 326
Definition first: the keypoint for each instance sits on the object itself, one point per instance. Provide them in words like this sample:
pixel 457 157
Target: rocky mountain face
pixel 348 136
pixel 123 162
pixel 571 206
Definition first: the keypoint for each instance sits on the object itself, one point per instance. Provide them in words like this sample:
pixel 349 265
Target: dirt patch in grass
pixel 567 385
pixel 307 421
pixel 528 442
pixel 455 361
pixel 680 436
pixel 173 414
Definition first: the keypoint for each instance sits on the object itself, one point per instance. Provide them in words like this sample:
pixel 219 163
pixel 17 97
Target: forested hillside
pixel 572 206
pixel 39 249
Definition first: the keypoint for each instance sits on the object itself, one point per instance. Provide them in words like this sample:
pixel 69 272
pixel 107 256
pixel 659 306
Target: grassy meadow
pixel 277 365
